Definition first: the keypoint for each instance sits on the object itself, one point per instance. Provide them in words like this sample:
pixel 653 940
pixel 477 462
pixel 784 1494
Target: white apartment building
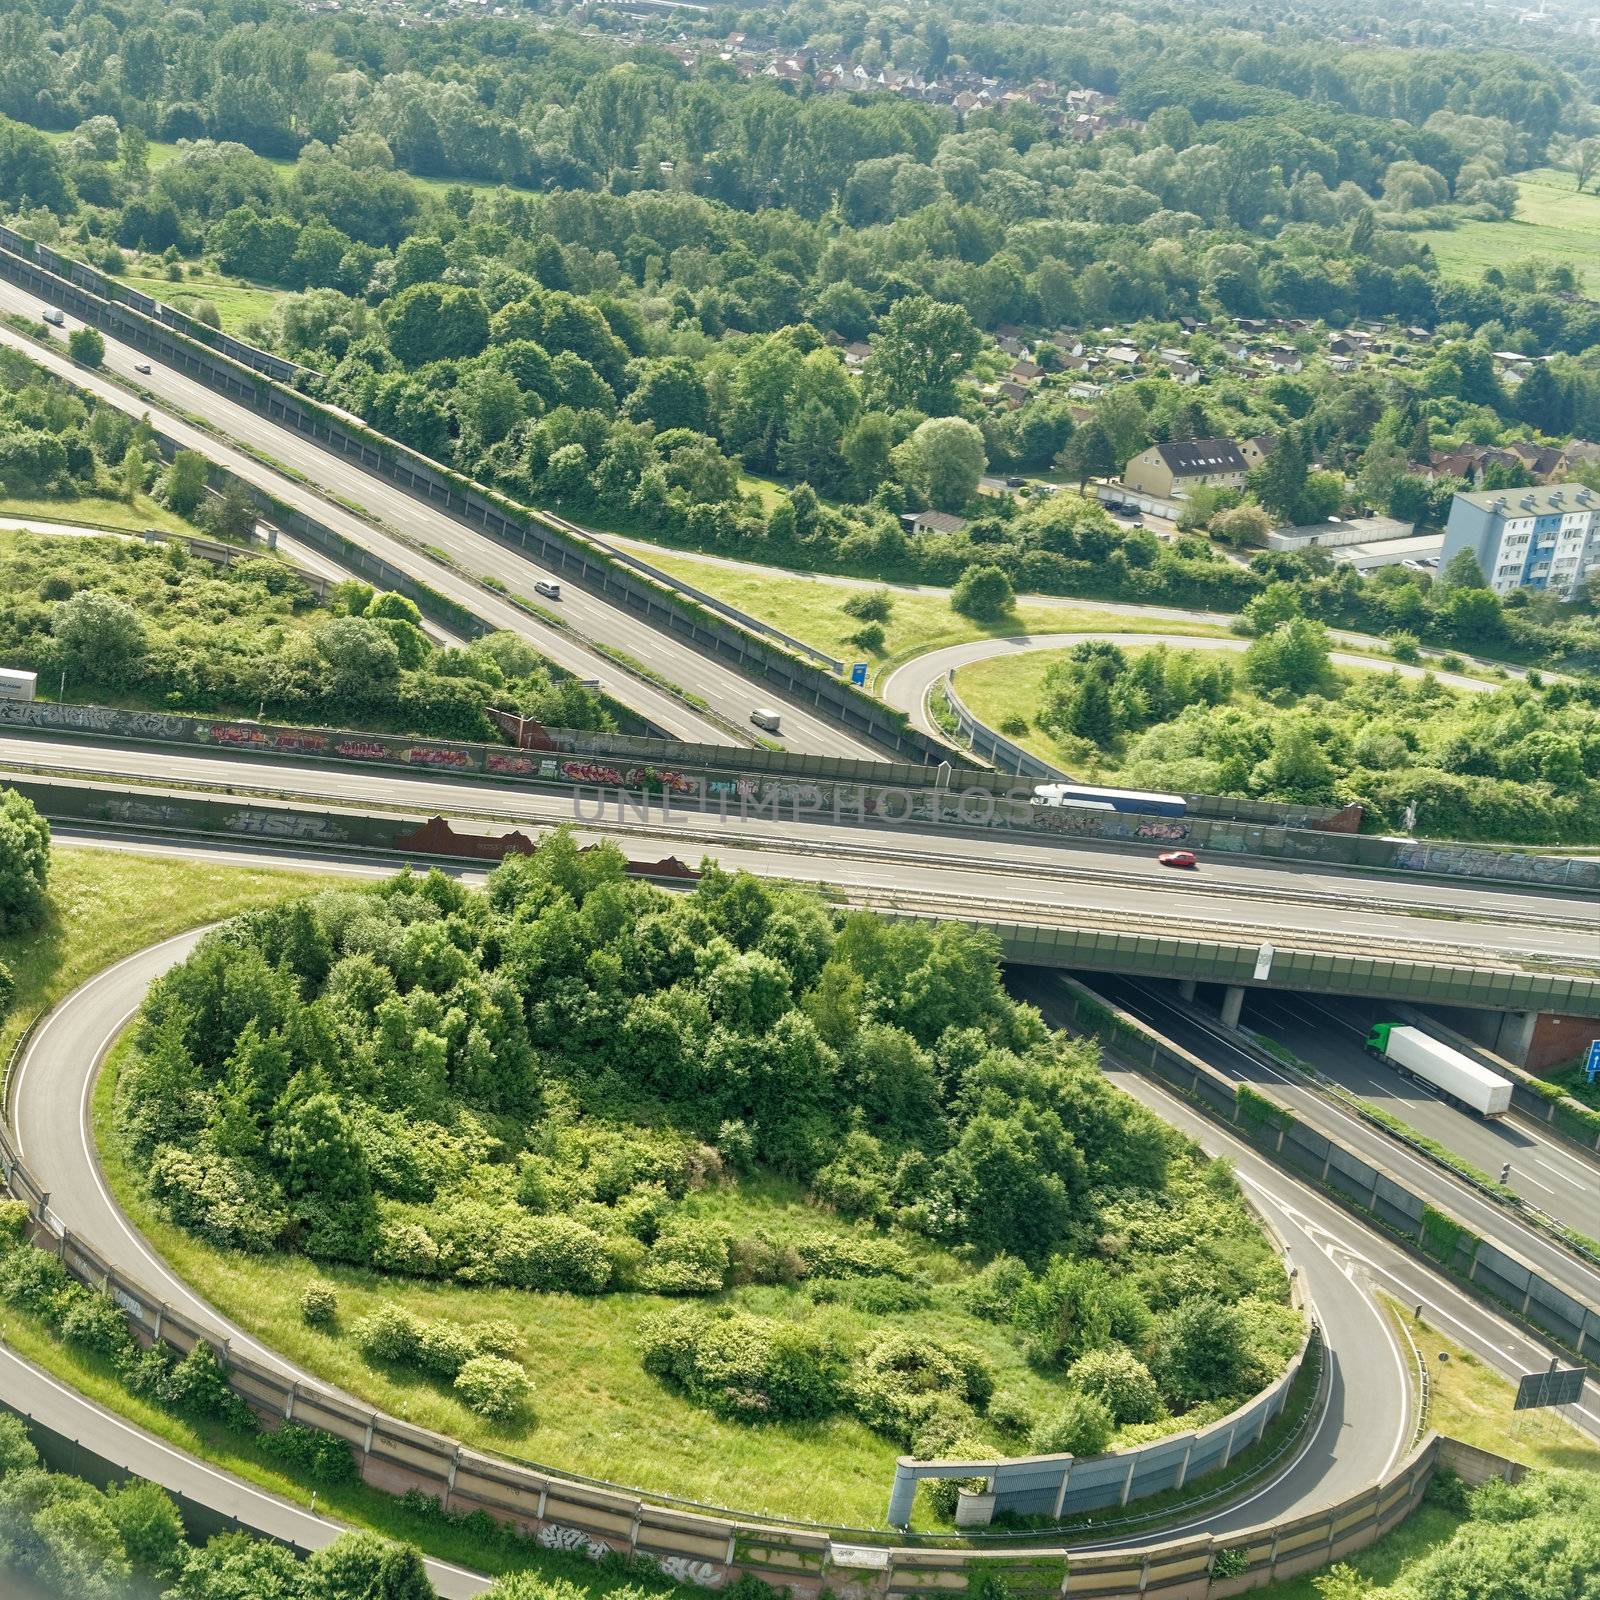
pixel 1542 538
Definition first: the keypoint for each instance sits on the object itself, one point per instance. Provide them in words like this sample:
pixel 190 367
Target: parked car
pixel 548 587
pixel 1177 858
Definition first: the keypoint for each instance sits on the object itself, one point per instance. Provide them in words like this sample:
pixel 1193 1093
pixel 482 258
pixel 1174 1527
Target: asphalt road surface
pixel 1015 877
pixel 1204 1036
pixel 1329 1032
pixel 728 692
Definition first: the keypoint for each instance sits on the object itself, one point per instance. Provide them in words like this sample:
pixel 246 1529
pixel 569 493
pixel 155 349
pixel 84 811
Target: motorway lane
pixel 1041 877
pixel 1330 1032
pixel 1204 1036
pixel 664 710
pixel 731 694
pixel 909 686
pixel 1363 1252
pixel 50 1112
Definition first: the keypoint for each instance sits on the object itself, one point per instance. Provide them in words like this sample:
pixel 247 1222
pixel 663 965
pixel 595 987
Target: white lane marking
pixel 1582 1188
pixel 196 1465
pixel 1399 1151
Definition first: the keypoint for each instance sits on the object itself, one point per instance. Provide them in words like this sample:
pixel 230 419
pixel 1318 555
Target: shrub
pixel 900 1377
pixel 13 1223
pixel 983 593
pixel 443 1349
pixel 218 1198
pixel 24 861
pixel 550 1253
pixel 744 1367
pixel 35 1281
pixel 493 1387
pixel 323 1457
pixel 87 347
pixel 1405 646
pixel 199 1384
pixel 319 1306
pixel 388 1334
pixel 829 1255
pixel 870 637
pixel 1200 1352
pixel 690 1258
pixel 94 1322
pixel 872 606
pixel 1120 1381
pixel 1081 1427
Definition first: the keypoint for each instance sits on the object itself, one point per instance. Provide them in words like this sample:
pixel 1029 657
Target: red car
pixel 1177 858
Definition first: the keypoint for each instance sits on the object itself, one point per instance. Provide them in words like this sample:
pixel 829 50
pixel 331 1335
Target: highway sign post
pixel 858 673
pixel 1553 1388
pixel 1591 1067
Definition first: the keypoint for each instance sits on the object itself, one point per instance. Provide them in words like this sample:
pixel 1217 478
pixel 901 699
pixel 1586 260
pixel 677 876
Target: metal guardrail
pixel 701 596
pixel 994 746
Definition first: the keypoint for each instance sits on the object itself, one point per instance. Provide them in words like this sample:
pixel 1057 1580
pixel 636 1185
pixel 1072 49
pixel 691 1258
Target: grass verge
pixel 104 905
pixel 1553 221
pixel 812 608
pixel 94 511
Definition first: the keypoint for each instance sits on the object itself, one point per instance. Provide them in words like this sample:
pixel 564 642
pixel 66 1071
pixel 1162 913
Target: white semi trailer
pixel 1459 1076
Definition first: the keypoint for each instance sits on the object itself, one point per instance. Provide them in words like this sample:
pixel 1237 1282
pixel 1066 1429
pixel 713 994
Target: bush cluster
pixel 475 1360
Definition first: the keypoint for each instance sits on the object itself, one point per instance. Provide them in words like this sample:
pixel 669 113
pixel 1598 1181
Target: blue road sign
pixel 1591 1068
pixel 858 673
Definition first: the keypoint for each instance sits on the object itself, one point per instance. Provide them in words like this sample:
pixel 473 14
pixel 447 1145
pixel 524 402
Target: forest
pixel 832 1174
pixel 609 278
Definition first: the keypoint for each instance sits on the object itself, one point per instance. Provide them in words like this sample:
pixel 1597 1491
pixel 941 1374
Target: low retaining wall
pixel 1494 1273
pixel 1059 1486
pixel 712 1549
pixel 995 747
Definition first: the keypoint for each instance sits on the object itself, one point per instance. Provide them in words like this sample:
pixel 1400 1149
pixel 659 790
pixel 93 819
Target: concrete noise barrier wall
pixel 714 1549
pixel 560 547
pixel 806 788
pixel 1493 1272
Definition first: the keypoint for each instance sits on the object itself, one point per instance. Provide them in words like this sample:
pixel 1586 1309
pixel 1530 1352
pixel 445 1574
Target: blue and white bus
pixel 1088 797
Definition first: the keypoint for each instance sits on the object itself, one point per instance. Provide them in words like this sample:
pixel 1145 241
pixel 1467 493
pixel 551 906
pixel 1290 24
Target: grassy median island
pixel 837 614
pixel 721 1194
pixel 1514 764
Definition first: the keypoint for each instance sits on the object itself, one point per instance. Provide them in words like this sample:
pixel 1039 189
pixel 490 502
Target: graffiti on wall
pixel 574 1541
pixel 1162 830
pixel 432 755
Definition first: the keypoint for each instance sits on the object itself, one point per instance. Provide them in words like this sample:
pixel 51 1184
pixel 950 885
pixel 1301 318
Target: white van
pixel 548 588
pixel 55 319
pixel 763 718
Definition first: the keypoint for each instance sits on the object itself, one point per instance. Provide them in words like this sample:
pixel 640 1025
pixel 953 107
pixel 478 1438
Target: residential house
pixel 856 352
pixel 933 522
pixel 1123 354
pixel 1012 393
pixel 1256 450
pixel 1011 345
pixel 1026 371
pixel 1285 359
pixel 1170 470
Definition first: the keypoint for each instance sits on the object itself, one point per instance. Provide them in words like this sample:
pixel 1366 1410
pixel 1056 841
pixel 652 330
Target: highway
pixel 50 1112
pixel 730 694
pixel 1367 1426
pixel 1202 1035
pixel 1329 1032
pixel 992 874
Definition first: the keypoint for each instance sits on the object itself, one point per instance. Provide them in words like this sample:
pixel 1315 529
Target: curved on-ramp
pixel 907 688
pixel 51 1105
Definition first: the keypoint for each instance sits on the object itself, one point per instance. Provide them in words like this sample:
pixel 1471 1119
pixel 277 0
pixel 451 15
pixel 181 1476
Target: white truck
pixel 1458 1076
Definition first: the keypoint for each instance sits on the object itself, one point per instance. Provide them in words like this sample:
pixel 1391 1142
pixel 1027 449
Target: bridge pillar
pixel 1186 988
pixel 901 1497
pixel 1232 1005
pixel 1516 1034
